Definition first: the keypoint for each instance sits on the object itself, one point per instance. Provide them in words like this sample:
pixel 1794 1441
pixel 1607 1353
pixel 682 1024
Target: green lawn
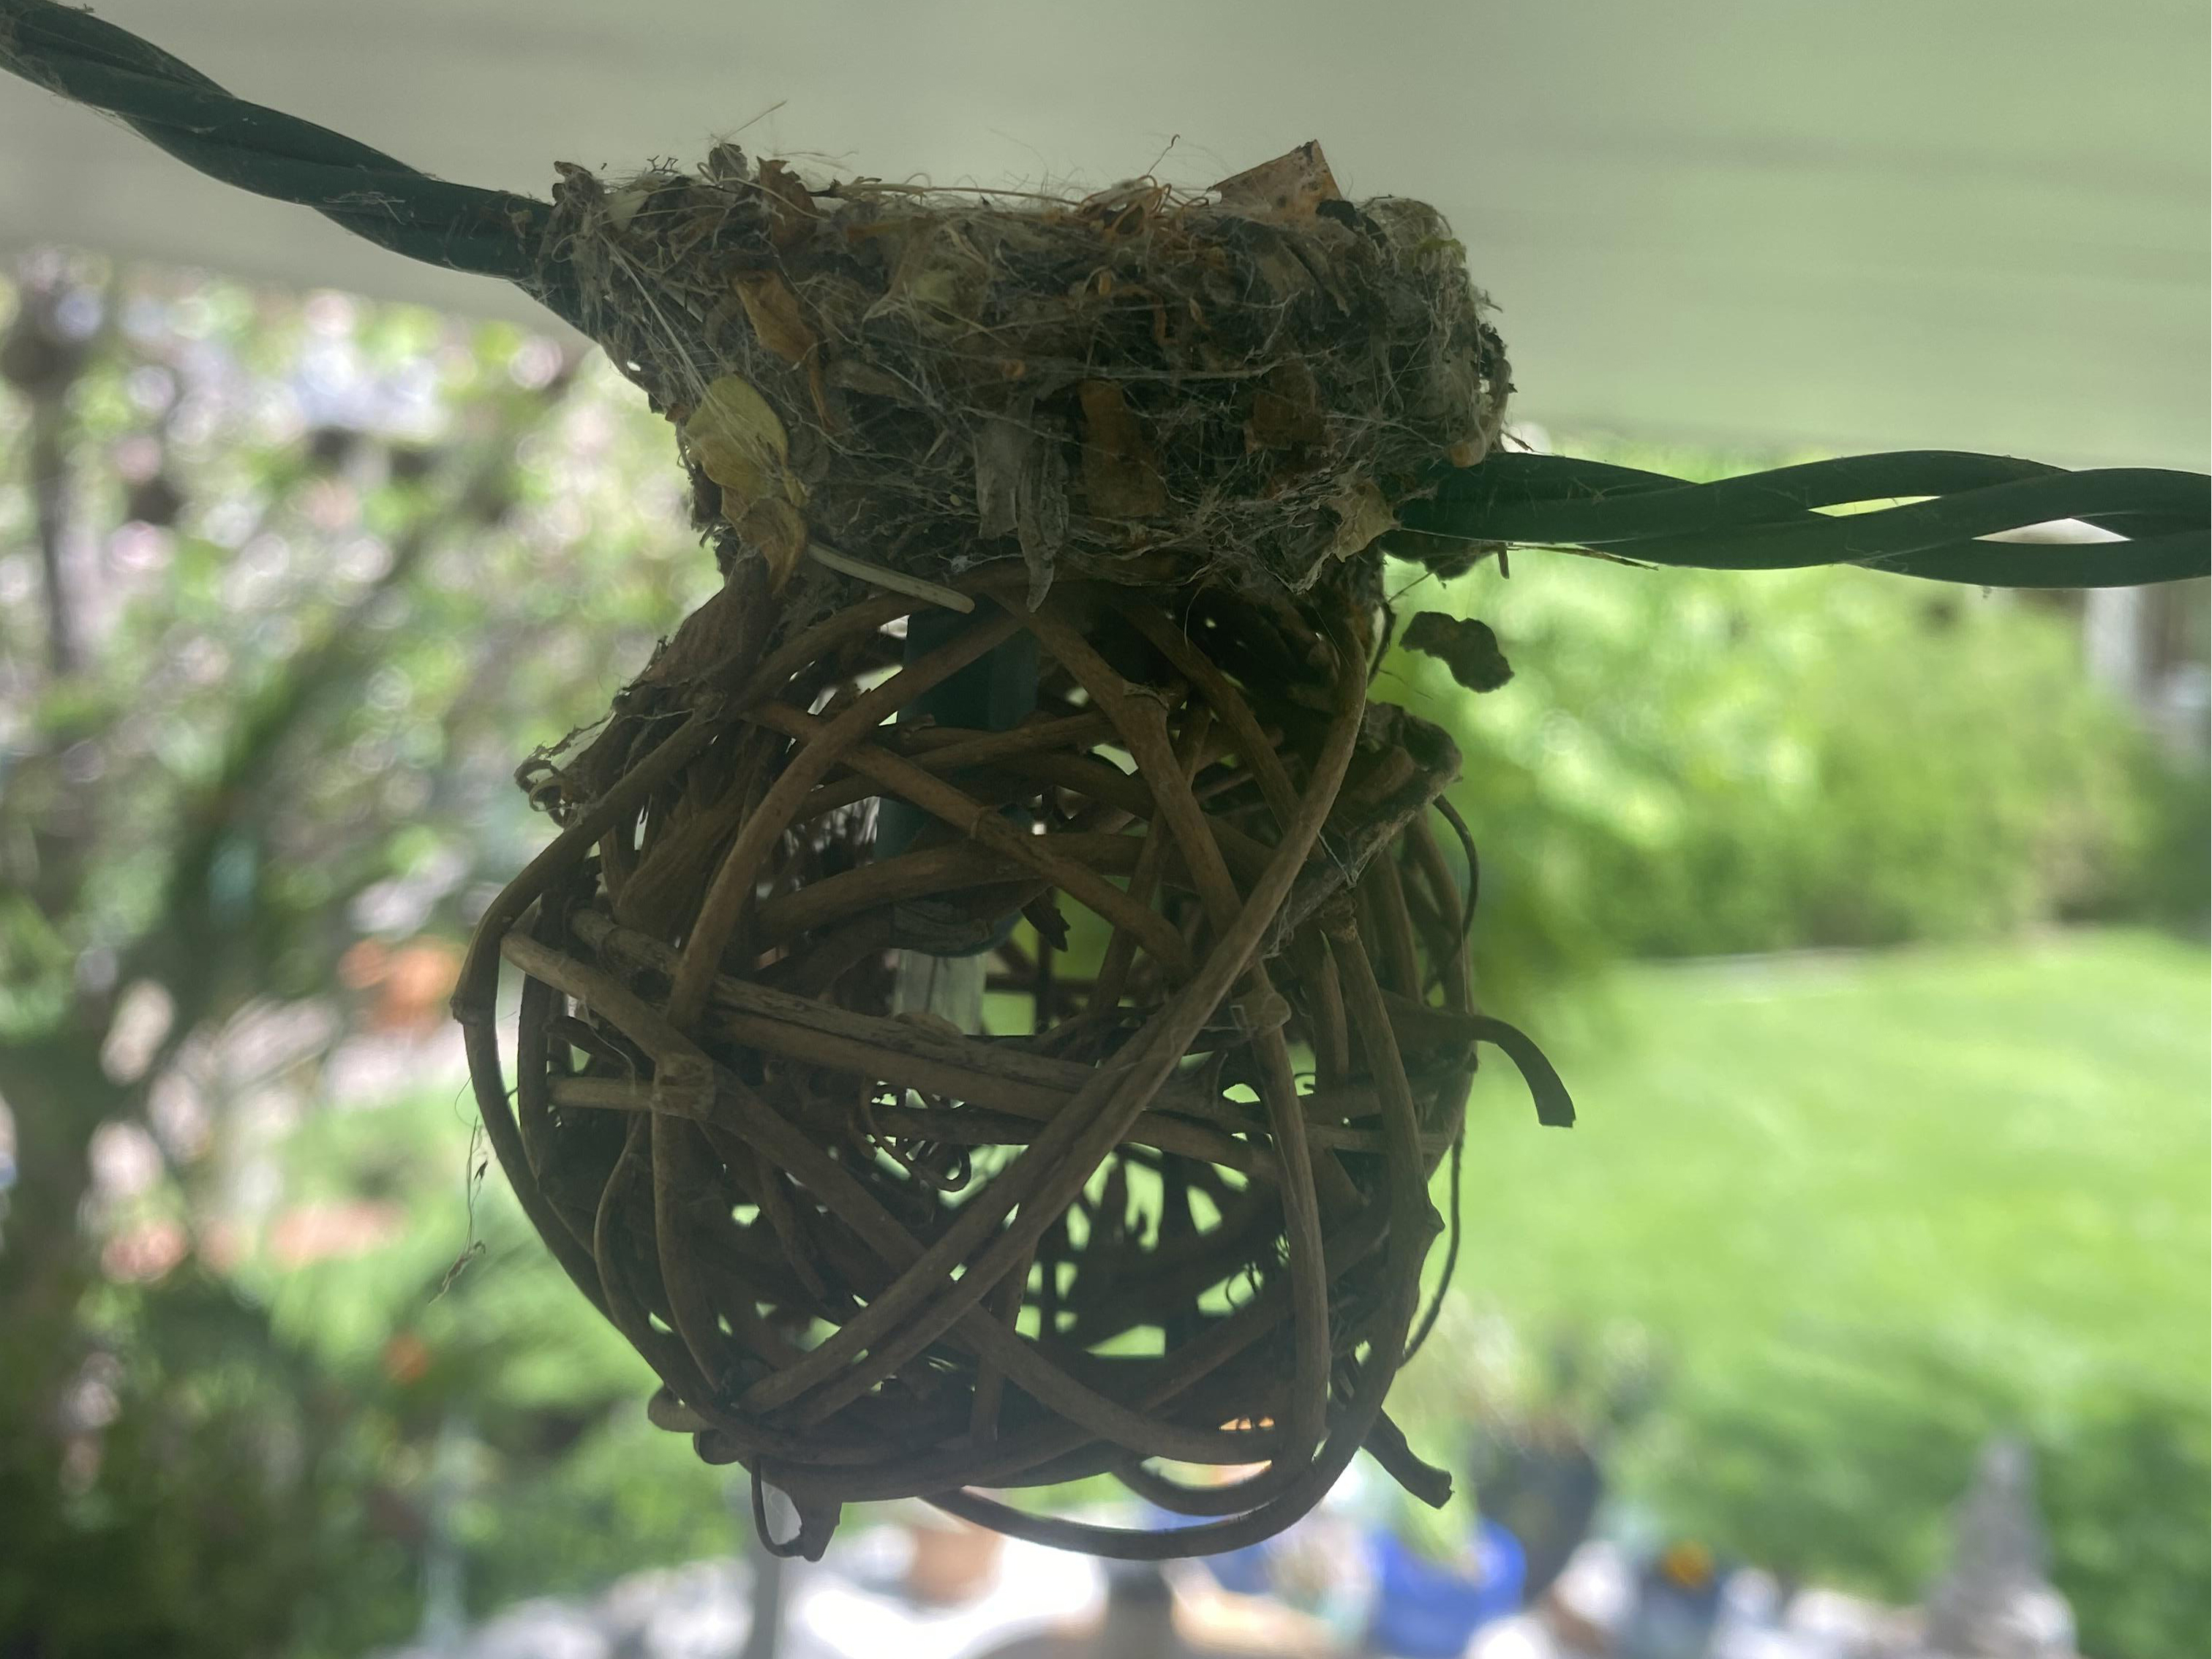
pixel 1872 1209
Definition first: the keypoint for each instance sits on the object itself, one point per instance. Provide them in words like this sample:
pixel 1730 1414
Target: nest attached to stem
pixel 1159 1193
pixel 874 1256
pixel 924 379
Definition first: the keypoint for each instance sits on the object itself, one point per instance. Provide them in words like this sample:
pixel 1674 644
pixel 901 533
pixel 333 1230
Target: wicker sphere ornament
pixel 1165 1198
pixel 999 992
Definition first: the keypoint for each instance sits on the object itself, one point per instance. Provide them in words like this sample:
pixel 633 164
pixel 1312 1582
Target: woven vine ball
pixel 993 1009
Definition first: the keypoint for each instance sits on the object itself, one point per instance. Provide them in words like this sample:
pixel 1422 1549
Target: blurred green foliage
pixel 282 1446
pixel 403 552
pixel 461 1329
pixel 287 587
pixel 1876 1209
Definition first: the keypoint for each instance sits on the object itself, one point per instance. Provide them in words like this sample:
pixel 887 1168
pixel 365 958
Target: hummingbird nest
pixel 922 380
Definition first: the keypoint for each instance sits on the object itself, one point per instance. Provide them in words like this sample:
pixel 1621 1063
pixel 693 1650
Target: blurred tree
pixel 244 724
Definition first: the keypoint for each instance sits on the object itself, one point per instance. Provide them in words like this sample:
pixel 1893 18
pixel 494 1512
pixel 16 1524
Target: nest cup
pixel 1168 1202
pixel 1253 378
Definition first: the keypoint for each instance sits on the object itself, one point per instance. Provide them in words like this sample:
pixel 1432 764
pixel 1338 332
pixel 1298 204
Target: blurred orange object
pixel 321 1232
pixel 953 1562
pixel 145 1252
pixel 410 982
pixel 406 1358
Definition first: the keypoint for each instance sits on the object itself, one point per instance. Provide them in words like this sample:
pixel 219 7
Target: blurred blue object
pixel 1242 1573
pixel 1543 1486
pixel 1424 1611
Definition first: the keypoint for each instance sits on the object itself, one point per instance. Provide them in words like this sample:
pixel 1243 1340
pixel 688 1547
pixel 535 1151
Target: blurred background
pixel 1867 1310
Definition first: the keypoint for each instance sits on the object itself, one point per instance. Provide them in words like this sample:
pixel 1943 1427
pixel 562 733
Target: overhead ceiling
pixel 1885 223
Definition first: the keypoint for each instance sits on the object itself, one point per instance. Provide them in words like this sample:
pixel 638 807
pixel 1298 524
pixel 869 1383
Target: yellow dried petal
pixel 739 443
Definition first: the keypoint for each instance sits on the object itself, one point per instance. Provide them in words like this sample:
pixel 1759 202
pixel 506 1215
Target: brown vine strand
pixel 1277 1496
pixel 1142 726
pixel 732 886
pixel 1048 1173
pixel 475 988
pixel 993 836
pixel 1451 936
pixel 945 751
pixel 700 1091
pixel 1286 1498
pixel 932 1060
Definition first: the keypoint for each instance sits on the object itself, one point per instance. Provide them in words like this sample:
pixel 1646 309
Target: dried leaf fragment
pixel 1290 187
pixel 939 281
pixel 737 439
pixel 723 630
pixel 739 442
pixel 1021 490
pixel 1461 644
pixel 780 324
pixel 1286 410
pixel 779 530
pixel 791 210
pixel 1363 514
pixel 773 310
pixel 1122 477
